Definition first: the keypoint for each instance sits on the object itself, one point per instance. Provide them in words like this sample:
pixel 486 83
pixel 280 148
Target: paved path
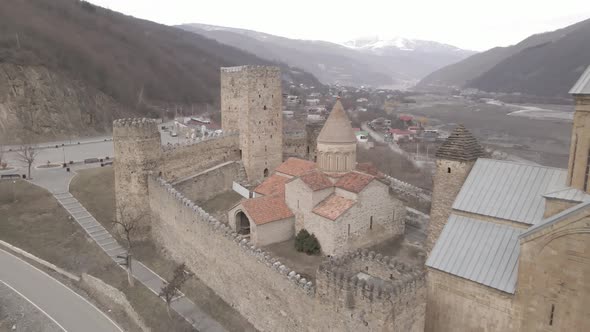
pixel 63 306
pixel 57 182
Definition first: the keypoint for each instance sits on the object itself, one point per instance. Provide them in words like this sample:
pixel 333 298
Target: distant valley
pixel 397 63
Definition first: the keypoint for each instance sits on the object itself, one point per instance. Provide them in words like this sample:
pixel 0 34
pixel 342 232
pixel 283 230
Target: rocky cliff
pixel 37 103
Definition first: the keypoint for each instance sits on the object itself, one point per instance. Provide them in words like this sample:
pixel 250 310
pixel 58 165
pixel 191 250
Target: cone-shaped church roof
pixel 461 146
pixel 337 128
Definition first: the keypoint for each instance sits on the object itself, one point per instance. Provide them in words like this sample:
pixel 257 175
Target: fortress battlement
pixel 222 230
pixel 199 140
pixel 249 68
pixel 135 127
pixel 388 278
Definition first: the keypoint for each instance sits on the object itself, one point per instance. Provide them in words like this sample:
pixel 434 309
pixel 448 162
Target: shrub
pixel 307 243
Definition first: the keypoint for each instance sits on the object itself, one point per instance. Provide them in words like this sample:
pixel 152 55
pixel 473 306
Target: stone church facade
pixel 509 243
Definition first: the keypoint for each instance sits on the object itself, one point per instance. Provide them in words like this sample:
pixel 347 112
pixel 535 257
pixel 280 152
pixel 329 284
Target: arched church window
pixel 265 172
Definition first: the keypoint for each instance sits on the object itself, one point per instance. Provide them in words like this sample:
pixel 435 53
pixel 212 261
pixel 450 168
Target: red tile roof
pixel 354 181
pixel 267 209
pixel 295 166
pixel 333 207
pixel 316 180
pixel 275 184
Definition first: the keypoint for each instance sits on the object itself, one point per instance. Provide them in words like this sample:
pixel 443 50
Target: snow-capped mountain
pixel 383 46
pixel 364 61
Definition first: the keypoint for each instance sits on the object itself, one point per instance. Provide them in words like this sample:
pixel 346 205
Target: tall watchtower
pixel 454 160
pixel 137 152
pixel 251 103
pixel 579 163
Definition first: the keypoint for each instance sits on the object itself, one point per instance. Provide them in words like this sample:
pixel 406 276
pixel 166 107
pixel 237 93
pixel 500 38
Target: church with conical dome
pixel 346 205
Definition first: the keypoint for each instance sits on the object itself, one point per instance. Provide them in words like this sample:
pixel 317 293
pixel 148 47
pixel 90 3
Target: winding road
pixel 68 310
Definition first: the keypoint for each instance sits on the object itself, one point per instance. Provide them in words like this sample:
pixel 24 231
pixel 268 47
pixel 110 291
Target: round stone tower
pixel 336 150
pixel 137 152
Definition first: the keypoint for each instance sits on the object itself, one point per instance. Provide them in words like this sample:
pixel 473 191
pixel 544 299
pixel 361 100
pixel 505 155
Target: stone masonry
pixel 251 102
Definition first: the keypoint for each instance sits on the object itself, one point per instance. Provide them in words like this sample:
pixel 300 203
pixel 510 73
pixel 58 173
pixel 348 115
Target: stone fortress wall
pixel 269 294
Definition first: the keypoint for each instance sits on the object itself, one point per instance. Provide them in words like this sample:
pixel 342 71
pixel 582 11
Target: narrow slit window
pixel 551 315
pixel 448 170
pixel 371 223
pixel 349 229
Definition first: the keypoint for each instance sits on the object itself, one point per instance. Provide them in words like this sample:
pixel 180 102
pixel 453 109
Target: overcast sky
pixel 469 24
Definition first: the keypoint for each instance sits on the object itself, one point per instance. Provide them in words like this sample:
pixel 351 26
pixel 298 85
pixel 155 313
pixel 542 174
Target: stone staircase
pixel 181 304
pixel 94 229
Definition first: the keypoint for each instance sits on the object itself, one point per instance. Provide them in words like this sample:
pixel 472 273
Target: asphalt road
pixel 67 309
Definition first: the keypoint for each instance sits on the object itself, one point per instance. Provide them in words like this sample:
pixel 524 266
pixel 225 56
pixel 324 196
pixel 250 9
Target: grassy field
pixel 34 221
pixel 94 188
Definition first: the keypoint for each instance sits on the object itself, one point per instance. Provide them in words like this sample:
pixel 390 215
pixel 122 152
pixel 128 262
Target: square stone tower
pixel 251 103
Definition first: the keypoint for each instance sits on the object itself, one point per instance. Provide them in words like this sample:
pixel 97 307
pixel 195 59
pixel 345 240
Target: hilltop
pixel 545 64
pixel 68 67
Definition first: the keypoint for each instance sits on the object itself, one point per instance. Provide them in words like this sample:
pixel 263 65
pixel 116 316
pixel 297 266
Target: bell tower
pixel 454 160
pixel 579 163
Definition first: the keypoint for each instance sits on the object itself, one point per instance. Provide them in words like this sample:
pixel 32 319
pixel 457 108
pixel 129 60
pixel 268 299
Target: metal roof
pixel 556 218
pixel 508 190
pixel 582 86
pixel 569 194
pixel 480 251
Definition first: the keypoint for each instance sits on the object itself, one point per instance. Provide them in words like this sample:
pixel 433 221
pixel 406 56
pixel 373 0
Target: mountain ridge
pixel 543 64
pixel 331 62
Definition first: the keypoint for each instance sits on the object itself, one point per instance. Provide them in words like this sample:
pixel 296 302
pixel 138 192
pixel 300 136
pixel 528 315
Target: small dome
pixel 337 128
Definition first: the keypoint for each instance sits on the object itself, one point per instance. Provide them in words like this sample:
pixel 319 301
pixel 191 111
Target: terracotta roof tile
pixel 333 207
pixel 275 184
pixel 295 166
pixel 267 209
pixel 316 180
pixel 354 181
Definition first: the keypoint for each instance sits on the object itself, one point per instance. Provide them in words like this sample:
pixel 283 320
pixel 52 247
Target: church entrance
pixel 242 223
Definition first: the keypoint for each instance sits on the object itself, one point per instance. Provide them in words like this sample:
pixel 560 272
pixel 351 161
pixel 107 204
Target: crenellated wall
pixel 265 291
pixel 180 161
pixel 375 304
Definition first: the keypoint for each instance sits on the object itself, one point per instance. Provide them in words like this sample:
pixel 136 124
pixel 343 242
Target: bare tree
pixel 171 289
pixel 127 221
pixel 27 154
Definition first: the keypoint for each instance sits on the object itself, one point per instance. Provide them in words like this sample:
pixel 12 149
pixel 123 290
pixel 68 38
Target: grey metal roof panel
pixel 480 251
pixel 556 218
pixel 508 190
pixel 569 194
pixel 582 86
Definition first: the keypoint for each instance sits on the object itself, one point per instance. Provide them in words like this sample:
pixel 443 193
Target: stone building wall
pixel 210 183
pixel 447 182
pixel 262 289
pixel 251 98
pixel 456 304
pixel 137 151
pixel 295 145
pixel 301 200
pixel 234 98
pixel 554 266
pixel 186 160
pixel 580 145
pixel 354 228
pixel 554 206
pixel 375 304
